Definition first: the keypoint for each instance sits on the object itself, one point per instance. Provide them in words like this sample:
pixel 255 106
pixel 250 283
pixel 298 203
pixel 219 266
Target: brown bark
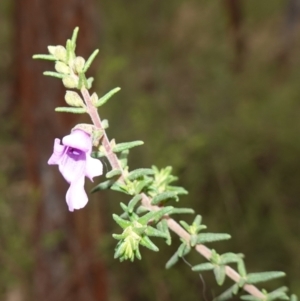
pixel 234 11
pixel 66 267
pixel 291 21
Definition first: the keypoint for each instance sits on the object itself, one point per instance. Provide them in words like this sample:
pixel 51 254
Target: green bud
pixel 70 82
pixel 79 64
pixel 61 67
pixel 73 99
pixel 59 52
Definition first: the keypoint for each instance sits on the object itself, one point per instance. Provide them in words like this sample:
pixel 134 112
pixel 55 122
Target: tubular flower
pixel 74 161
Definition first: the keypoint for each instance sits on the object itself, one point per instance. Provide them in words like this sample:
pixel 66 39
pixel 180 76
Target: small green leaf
pixel 103 186
pixel 197 221
pixel 141 185
pixel 185 225
pixel 230 258
pixel 182 211
pixel 203 267
pixel 220 274
pixel 146 242
pixel 278 294
pixel 133 202
pixel 117 186
pixel 172 261
pixel 90 60
pixel 54 74
pixel 294 298
pixel 142 209
pixel 123 158
pixel 241 268
pixel 163 227
pixel 263 276
pixel 183 249
pixel 177 189
pixel 113 173
pixel 140 172
pixel 150 231
pixel 48 57
pixel 120 147
pixel 74 37
pixel 154 215
pixel 70 110
pixel 164 196
pixel 212 237
pixel 121 222
pixel 106 97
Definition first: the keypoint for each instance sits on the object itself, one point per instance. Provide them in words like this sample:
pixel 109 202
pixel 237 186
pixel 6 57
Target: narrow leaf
pixel 54 74
pixel 172 261
pixel 183 249
pixel 90 60
pixel 220 274
pixel 263 276
pixel 241 268
pixel 103 186
pixel 154 215
pixel 121 222
pixel 138 173
pixel 203 267
pixel 133 202
pixel 106 97
pixel 150 231
pixel 163 226
pixel 164 196
pixel 229 258
pixel 146 242
pixel 211 237
pixel 113 173
pixel 74 37
pixel 70 110
pixel 48 57
pixel 177 189
pixel 182 211
pixel 126 145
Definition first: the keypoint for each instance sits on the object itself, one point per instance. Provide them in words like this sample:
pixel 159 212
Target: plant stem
pixel 93 112
pixel 172 224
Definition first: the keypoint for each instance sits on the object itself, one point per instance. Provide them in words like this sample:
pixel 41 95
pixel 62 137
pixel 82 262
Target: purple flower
pixel 74 161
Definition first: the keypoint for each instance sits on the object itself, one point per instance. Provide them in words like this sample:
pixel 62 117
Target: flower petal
pixel 72 165
pixel 57 154
pixel 78 139
pixel 94 167
pixel 76 196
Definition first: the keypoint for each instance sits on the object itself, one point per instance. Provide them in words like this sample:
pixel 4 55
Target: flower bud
pixel 61 67
pixel 73 99
pixel 59 52
pixel 70 82
pixel 79 64
pixel 94 99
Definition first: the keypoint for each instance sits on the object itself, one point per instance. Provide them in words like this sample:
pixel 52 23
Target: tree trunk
pixel 65 266
pixel 234 11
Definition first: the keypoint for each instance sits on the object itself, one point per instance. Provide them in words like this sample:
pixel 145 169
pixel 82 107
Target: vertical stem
pixel 93 112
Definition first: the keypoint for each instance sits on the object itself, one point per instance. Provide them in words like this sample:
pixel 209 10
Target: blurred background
pixel 212 87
